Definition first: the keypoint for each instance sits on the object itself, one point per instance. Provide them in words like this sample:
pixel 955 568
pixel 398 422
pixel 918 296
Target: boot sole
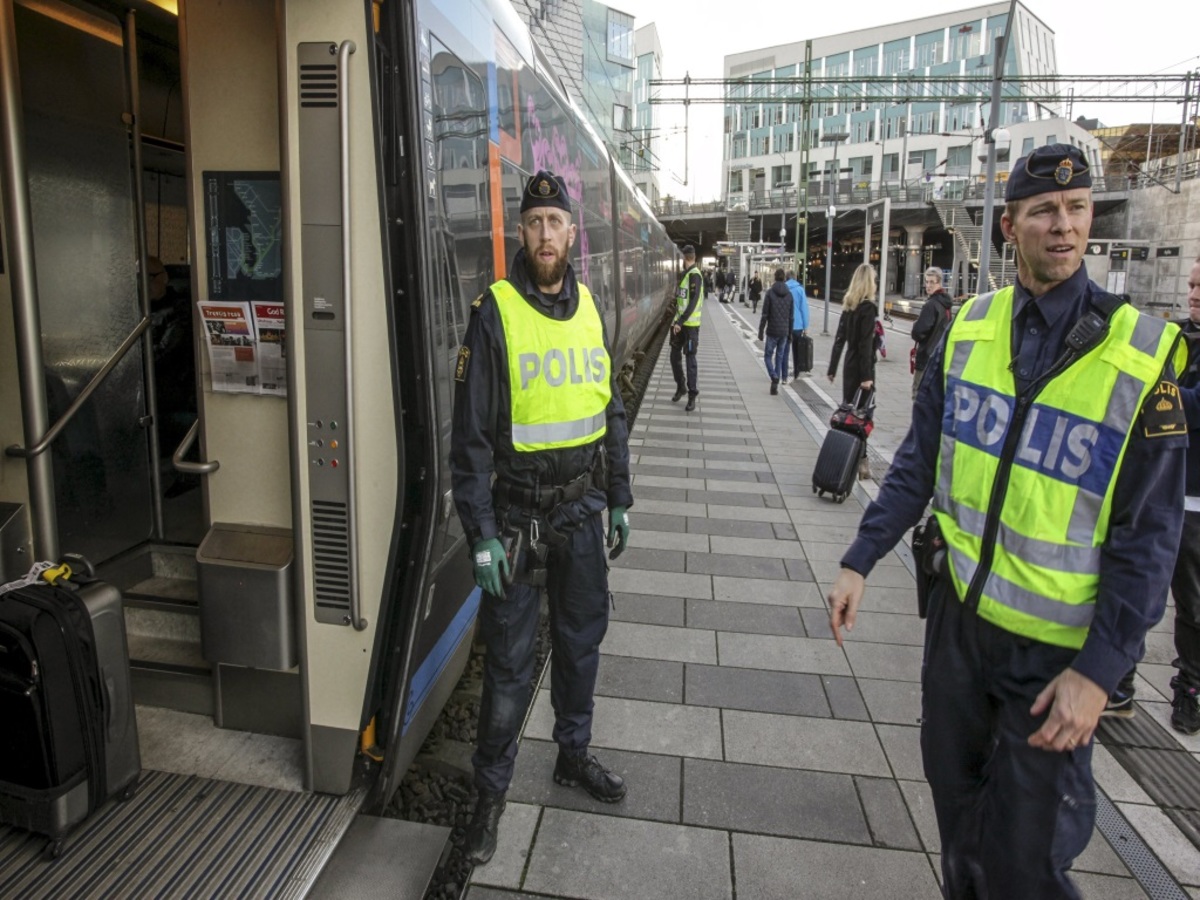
pixel 573 782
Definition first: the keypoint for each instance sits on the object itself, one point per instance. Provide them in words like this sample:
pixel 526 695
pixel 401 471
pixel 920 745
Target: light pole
pixel 994 132
pixel 833 138
pixel 830 212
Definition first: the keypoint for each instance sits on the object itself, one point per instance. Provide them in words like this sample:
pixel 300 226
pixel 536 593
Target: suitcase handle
pixel 106 700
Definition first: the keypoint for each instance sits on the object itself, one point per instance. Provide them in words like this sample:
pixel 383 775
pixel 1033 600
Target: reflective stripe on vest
pixel 681 297
pixel 558 372
pixel 1054 519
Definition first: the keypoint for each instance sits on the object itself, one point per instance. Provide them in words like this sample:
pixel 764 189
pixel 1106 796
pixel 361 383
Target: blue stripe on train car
pixel 435 663
pixel 494 104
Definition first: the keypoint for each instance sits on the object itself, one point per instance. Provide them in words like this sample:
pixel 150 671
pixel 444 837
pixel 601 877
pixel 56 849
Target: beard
pixel 546 274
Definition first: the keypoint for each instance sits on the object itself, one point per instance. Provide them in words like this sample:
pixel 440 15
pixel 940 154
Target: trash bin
pixel 245 595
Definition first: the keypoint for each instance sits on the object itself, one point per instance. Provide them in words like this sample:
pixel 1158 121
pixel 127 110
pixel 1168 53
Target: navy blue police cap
pixel 1054 167
pixel 546 189
pixel 688 250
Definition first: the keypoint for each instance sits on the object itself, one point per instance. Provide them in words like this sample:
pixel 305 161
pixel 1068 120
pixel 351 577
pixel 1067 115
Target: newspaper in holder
pixel 272 349
pixel 229 336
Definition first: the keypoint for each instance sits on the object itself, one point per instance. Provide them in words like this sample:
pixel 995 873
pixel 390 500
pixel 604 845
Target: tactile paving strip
pixel 1155 880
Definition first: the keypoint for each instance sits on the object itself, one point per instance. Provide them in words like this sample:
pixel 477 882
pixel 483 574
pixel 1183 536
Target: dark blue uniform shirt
pixel 1147 509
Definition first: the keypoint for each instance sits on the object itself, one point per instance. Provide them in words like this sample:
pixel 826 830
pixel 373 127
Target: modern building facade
pixel 909 142
pixel 641 153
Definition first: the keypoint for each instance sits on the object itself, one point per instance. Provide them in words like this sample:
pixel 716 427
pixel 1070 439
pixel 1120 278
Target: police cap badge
pixel 1054 167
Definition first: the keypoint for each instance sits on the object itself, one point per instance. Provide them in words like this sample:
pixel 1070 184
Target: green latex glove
pixel 489 559
pixel 618 530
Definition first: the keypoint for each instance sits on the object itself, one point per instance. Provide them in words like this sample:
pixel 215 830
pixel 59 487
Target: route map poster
pixel 243 235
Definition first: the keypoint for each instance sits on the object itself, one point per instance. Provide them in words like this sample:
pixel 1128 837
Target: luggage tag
pixel 33 576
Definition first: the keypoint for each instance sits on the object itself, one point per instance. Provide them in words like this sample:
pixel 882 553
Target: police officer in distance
pixel 536 407
pixel 685 328
pixel 1050 436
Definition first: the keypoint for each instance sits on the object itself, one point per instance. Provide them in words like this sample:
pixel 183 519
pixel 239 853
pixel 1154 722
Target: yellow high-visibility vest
pixel 558 372
pixel 1054 515
pixel 681 297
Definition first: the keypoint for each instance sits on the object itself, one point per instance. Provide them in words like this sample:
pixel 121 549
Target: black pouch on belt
pixel 513 542
pixel 929 549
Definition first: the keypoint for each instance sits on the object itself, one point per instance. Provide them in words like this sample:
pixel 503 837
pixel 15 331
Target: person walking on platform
pixel 776 323
pixel 756 290
pixel 856 333
pixel 535 458
pixel 1051 438
pixel 931 324
pixel 685 328
pixel 719 278
pixel 799 325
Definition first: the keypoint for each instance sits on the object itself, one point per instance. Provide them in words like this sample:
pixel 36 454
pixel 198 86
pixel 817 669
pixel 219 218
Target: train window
pixel 460 229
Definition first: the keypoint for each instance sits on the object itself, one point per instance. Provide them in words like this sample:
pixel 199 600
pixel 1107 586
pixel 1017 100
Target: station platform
pixel 762 760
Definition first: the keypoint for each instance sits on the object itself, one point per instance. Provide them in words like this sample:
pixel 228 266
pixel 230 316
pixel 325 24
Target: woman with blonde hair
pixel 856 333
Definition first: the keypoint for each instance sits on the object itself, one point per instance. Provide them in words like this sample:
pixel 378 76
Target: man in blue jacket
pixel 799 321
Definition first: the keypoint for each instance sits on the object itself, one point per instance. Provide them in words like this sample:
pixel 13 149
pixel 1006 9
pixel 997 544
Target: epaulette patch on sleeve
pixel 464 358
pixel 1162 413
pixel 477 302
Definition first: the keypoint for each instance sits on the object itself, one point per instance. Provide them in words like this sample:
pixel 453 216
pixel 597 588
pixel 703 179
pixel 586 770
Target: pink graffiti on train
pixel 550 152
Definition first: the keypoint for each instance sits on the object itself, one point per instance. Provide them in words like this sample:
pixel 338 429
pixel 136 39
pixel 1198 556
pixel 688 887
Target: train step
pixel 366 864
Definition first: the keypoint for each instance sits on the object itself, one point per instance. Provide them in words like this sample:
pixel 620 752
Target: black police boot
pixel 1185 715
pixel 679 392
pixel 479 844
pixel 585 770
pixel 691 402
pixel 774 385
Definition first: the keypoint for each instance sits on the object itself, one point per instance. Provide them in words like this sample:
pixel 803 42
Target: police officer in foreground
pixel 1051 439
pixel 685 328
pixel 536 408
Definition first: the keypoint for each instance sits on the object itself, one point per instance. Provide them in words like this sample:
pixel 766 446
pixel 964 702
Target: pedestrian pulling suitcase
pixel 69 736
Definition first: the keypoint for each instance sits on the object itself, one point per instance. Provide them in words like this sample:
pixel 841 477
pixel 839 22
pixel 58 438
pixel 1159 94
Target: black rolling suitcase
pixel 805 361
pixel 68 741
pixel 843 447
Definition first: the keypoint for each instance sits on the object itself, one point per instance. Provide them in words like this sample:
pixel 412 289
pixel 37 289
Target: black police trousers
pixel 1185 588
pixel 1011 817
pixel 577 585
pixel 685 344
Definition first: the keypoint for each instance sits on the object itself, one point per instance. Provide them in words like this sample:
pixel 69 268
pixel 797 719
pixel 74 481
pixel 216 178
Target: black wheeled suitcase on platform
pixel 68 738
pixel 806 354
pixel 837 464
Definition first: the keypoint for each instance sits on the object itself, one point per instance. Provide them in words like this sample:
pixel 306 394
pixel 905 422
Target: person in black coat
pixel 856 334
pixel 931 323
pixel 755 292
pixel 776 327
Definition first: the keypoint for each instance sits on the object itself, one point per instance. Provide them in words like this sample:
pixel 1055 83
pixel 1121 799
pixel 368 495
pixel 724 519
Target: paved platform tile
pixel 770 868
pixel 887 814
pixel 1105 887
pixel 647 609
pixel 902 745
pixel 751 618
pixel 744 513
pixel 773 592
pixel 845 700
pixel 670 729
pixel 728 498
pixel 755 690
pixel 893 702
pixel 644 538
pixel 578 854
pixel 798 569
pixel 517 826
pixel 873 626
pixel 639 679
pixel 740 546
pixel 652 781
pixel 654 522
pixel 660 642
pixel 736 566
pixel 643 505
pixel 781 654
pixel 919 800
pixel 667 494
pixel 764 800
pixel 888 662
pixel 664 584
pixel 798 742
pixel 732 528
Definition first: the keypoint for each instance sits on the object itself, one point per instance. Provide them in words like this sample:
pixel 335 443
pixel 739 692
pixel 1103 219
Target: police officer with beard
pixel 539 449
pixel 1050 436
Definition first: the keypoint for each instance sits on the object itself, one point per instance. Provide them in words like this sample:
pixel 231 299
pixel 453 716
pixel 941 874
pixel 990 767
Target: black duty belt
pixel 542 499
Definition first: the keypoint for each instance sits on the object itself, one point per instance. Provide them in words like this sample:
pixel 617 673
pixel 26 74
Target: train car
pixel 311 193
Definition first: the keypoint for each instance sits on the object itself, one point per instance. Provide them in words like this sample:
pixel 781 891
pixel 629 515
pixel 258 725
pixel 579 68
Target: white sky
pixel 1104 37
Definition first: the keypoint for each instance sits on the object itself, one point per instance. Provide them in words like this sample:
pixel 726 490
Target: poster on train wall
pixel 272 349
pixel 243 235
pixel 232 347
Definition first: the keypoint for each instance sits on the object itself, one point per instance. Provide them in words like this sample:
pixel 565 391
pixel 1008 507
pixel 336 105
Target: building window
pixel 760 144
pixel 924 122
pixel 1052 139
pixel 928 50
pixel 622 121
pixel 781 174
pixel 965 41
pixel 620 38
pixel 895 57
pixel 920 162
pixel 891 167
pixel 861 167
pixel 1027 146
pixel 735 182
pixel 958 160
